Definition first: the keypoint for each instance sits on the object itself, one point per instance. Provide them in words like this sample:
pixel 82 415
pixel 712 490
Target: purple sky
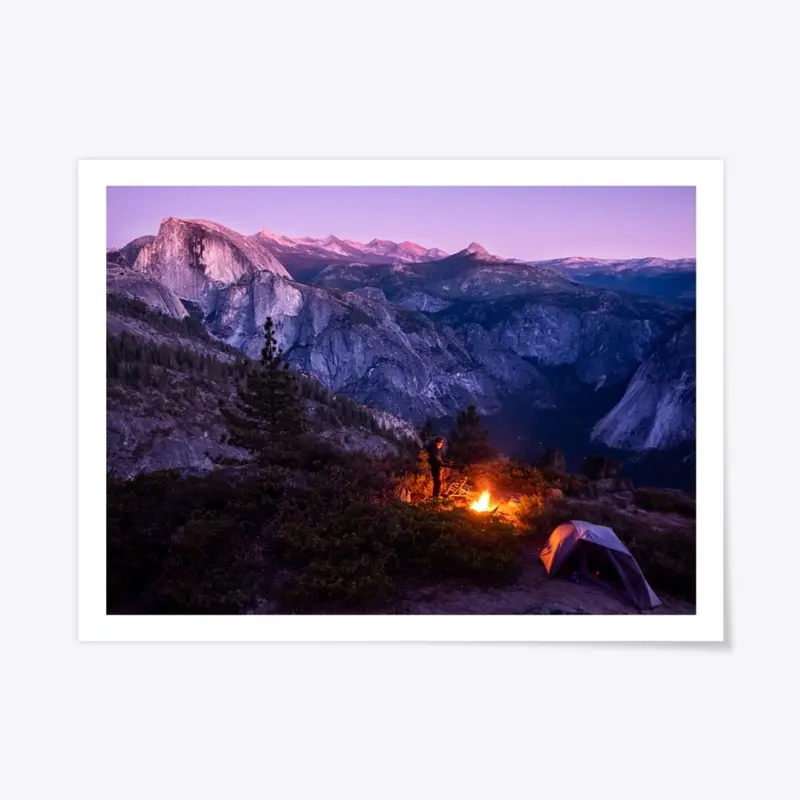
pixel 528 222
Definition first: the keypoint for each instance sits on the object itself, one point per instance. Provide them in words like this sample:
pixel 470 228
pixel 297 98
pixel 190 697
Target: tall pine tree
pixel 469 440
pixel 266 414
pixel 427 431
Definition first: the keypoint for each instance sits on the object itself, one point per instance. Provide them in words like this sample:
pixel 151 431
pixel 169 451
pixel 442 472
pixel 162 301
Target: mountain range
pixel 421 333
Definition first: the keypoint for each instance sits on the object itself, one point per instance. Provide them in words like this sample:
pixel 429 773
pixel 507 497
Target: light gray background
pixel 573 79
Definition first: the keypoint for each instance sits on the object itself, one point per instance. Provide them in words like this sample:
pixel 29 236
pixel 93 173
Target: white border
pixel 93 178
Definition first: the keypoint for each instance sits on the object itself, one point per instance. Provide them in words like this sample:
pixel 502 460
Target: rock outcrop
pixel 197 258
pixel 417 339
pixel 126 256
pixel 135 285
pixel 658 409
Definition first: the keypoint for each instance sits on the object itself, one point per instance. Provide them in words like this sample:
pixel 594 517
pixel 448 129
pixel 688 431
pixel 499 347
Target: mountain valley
pixel 416 333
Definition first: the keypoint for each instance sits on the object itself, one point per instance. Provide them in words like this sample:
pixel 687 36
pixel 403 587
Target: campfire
pixel 482 503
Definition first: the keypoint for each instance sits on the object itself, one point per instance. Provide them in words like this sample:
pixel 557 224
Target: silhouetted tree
pixel 469 440
pixel 427 431
pixel 599 467
pixel 266 414
pixel 553 459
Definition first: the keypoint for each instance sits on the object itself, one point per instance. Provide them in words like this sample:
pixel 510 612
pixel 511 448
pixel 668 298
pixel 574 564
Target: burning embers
pixel 482 503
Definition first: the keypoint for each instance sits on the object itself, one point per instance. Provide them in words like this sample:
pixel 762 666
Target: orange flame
pixel 481 504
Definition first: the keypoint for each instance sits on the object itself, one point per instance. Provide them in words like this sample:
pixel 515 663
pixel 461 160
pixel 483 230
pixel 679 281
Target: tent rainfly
pixel 581 544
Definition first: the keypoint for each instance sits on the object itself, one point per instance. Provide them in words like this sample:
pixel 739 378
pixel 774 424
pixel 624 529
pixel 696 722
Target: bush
pixel 184 544
pixel 352 559
pixel 358 585
pixel 508 477
pixel 210 569
pixel 528 510
pixel 668 561
pixel 665 500
pixel 323 526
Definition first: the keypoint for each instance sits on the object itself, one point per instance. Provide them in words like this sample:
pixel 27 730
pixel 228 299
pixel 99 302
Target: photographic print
pixel 388 400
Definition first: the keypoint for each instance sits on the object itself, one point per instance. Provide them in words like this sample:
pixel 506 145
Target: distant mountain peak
pixel 332 246
pixel 413 248
pixel 184 247
pixel 477 250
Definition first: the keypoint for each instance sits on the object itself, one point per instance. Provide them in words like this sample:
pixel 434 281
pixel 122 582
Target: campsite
pixel 306 425
pixel 325 533
pixel 543 505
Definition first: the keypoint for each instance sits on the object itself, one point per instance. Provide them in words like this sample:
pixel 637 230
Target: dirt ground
pixel 533 593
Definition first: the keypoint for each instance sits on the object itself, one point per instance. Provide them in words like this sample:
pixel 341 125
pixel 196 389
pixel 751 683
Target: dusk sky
pixel 524 222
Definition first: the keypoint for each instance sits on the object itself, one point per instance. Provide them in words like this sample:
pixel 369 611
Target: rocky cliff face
pixel 177 424
pixel 126 256
pixel 513 317
pixel 417 339
pixel 352 342
pixel 600 336
pixel 197 258
pixel 128 283
pixel 658 409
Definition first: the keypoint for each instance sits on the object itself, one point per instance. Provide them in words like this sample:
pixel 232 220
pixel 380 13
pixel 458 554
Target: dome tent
pixel 583 546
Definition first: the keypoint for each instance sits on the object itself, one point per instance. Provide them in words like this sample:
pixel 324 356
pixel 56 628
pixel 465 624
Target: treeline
pixel 141 363
pixel 338 409
pixel 189 326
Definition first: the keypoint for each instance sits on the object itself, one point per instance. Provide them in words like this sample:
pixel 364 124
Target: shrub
pixel 354 557
pixel 358 585
pixel 181 544
pixel 209 568
pixel 665 500
pixel 326 521
pixel 508 477
pixel 528 509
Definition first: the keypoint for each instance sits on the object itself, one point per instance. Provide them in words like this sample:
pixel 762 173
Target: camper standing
pixel 435 462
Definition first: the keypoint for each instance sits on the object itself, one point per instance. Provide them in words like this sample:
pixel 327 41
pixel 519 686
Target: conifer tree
pixel 469 440
pixel 427 431
pixel 266 414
